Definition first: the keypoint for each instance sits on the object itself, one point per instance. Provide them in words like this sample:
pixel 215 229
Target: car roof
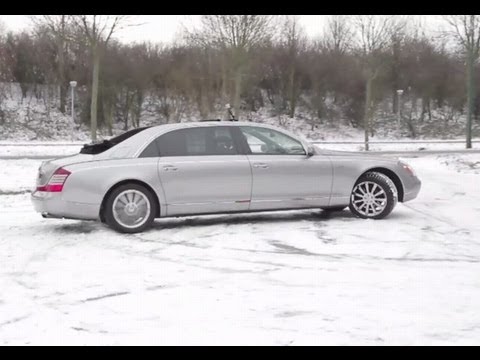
pixel 158 130
pixel 135 144
pixel 183 125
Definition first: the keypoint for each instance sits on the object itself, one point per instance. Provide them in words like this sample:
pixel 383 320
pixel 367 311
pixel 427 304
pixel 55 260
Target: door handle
pixel 260 165
pixel 170 168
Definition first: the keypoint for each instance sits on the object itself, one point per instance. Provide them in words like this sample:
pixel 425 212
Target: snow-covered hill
pixel 37 118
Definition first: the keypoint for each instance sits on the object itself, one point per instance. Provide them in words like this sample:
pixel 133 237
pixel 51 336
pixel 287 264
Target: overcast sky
pixel 163 28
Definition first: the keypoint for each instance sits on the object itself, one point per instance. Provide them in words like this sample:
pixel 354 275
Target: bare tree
pixel 3 71
pixel 374 33
pixel 59 26
pixel 98 29
pixel 337 35
pixel 293 40
pixel 4 65
pixel 235 36
pixel 466 32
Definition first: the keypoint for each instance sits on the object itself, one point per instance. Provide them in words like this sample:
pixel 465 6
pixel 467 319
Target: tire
pixel 379 196
pixel 334 208
pixel 136 208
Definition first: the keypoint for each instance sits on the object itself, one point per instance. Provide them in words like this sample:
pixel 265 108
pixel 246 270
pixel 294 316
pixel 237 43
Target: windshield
pixel 97 148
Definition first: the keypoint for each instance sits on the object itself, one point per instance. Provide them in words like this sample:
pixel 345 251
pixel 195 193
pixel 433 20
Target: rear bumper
pixel 52 205
pixel 412 191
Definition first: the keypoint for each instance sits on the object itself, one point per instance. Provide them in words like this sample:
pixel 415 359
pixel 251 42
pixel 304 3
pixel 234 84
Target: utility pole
pixel 399 110
pixel 73 84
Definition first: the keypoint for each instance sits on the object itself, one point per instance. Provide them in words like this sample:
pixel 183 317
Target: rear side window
pixel 193 142
pixel 150 151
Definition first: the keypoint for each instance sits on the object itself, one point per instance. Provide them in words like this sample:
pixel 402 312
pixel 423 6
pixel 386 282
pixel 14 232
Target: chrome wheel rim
pixel 369 198
pixel 131 209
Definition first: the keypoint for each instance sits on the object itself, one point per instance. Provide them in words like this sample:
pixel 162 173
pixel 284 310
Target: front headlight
pixel 407 168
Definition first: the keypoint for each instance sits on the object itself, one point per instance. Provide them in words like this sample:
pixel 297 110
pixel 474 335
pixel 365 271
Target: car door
pixel 202 171
pixel 284 176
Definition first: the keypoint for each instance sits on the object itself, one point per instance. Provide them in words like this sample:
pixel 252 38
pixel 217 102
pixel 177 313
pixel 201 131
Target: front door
pixel 284 177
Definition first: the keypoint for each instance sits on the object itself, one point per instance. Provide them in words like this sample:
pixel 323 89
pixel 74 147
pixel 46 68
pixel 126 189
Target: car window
pixel 270 142
pixel 223 141
pixel 193 142
pixel 151 150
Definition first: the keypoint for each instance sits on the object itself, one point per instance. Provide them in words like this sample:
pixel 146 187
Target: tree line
pixel 251 61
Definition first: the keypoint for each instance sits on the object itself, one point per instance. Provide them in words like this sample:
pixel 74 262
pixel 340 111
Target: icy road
pixel 289 278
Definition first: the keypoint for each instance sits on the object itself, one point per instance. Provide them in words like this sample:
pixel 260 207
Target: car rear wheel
pixel 130 208
pixel 374 196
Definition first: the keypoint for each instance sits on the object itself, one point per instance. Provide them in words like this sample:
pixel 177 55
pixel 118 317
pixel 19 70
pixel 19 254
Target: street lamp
pixel 73 84
pixel 399 110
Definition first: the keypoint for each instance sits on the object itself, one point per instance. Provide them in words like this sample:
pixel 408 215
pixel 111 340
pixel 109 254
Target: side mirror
pixel 310 151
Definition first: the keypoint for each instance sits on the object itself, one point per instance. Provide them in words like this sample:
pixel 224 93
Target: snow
pixel 18 176
pixel 286 278
pixel 52 149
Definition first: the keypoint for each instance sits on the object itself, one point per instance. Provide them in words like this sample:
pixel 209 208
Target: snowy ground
pixel 289 278
pixel 53 149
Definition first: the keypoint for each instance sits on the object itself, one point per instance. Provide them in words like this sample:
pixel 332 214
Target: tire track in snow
pixel 456 229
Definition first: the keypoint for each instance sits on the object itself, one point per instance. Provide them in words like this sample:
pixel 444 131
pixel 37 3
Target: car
pixel 211 167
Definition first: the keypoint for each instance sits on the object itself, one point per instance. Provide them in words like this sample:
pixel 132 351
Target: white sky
pixel 163 28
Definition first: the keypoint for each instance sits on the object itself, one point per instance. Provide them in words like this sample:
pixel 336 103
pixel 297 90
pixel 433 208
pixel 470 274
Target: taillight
pixel 56 182
pixel 408 169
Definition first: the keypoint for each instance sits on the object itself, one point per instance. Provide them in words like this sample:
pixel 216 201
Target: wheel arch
pixel 391 175
pixel 123 182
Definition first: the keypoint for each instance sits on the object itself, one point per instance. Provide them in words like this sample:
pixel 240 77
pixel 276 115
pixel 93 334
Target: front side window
pixel 193 142
pixel 270 142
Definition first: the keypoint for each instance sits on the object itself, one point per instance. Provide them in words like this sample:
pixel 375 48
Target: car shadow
pixel 80 227
pixel 249 218
pixel 87 227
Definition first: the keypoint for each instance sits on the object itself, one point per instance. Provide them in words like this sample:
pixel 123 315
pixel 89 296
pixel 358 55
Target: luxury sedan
pixel 213 167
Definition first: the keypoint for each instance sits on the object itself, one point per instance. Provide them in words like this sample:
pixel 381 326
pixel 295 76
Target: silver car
pixel 215 167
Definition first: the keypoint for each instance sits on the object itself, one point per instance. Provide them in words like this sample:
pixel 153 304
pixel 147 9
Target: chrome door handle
pixel 170 168
pixel 260 165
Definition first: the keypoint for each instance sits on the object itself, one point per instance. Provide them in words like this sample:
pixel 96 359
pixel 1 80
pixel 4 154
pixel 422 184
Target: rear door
pixel 202 171
pixel 284 177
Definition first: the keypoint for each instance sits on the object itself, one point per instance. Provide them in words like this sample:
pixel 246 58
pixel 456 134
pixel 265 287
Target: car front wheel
pixel 130 208
pixel 374 196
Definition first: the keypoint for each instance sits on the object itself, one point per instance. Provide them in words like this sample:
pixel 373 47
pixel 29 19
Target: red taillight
pixel 409 169
pixel 56 182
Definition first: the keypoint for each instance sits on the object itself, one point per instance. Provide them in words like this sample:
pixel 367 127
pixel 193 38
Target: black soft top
pixel 97 148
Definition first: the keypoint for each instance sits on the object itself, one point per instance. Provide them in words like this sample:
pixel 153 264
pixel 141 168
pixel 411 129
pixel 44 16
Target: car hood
pixel 357 155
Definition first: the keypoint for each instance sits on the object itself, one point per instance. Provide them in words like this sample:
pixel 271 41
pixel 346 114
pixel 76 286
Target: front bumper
pixel 52 205
pixel 412 190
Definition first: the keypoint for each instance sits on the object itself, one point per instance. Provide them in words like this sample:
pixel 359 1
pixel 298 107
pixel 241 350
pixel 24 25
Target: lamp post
pixel 73 84
pixel 399 110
